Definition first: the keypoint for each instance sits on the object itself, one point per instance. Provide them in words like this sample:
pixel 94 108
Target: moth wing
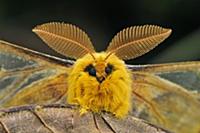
pixel 168 95
pixel 30 77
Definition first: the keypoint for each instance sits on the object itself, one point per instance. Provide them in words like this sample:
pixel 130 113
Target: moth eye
pixel 108 69
pixel 91 70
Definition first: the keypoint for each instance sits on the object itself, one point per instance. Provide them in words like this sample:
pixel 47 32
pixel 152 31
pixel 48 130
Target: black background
pixel 103 19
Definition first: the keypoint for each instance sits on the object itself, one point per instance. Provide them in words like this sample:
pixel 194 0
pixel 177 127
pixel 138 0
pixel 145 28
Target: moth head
pixel 73 42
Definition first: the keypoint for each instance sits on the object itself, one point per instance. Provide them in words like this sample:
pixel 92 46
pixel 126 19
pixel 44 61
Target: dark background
pixel 103 19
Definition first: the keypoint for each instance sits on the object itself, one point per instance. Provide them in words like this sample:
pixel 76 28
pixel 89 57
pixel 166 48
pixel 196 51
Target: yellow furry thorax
pixel 108 89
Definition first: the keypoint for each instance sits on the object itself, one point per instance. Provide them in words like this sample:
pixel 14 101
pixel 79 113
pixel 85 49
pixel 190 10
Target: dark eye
pixel 91 70
pixel 108 69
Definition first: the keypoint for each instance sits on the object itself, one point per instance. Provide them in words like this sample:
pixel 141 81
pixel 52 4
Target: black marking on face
pixel 91 70
pixel 109 69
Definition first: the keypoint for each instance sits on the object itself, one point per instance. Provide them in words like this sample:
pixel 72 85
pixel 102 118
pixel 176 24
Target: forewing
pixel 168 95
pixel 29 77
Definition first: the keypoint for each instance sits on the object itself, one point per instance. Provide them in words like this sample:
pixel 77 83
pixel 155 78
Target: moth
pixel 102 81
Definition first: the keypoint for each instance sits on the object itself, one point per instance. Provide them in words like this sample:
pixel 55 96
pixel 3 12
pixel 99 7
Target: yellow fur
pixel 112 95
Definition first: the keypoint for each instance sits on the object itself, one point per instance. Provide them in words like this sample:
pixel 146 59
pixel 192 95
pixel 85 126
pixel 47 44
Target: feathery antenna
pixel 136 41
pixel 66 39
